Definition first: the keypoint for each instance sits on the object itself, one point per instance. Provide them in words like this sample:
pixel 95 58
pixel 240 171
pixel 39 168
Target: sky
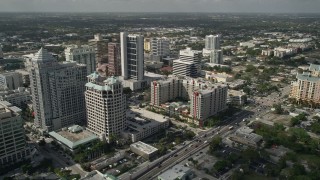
pixel 269 6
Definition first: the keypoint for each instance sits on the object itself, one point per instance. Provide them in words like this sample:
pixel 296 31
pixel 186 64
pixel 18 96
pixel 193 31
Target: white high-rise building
pixel 57 91
pixel 216 56
pixel 188 64
pixel 13 146
pixel 82 55
pixel 212 42
pixel 160 47
pixel 132 56
pixel 106 106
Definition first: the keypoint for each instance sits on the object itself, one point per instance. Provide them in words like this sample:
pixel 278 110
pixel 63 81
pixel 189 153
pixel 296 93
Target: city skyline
pixel 251 6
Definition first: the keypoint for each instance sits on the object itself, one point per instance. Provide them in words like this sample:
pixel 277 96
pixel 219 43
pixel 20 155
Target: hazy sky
pixel 278 6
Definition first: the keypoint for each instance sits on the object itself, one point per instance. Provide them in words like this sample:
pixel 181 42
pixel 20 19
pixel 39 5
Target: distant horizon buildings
pixel 82 55
pixel 13 145
pixel 188 64
pixel 106 106
pixel 57 91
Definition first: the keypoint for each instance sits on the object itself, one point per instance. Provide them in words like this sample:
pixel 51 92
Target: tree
pixel 278 108
pixel 221 165
pixel 215 144
pixel 127 91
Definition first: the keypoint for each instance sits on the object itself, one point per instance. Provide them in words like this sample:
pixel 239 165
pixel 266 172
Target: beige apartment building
pixel 207 98
pixel 307 87
pixel 106 106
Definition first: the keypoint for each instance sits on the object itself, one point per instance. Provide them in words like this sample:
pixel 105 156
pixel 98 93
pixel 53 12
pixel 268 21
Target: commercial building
pixel 216 57
pixel 10 80
pixel 307 87
pixel 106 106
pixel 132 60
pixel 57 92
pixel 159 48
pixel 236 97
pixel 188 64
pixel 206 98
pixel 13 146
pixel 25 77
pixel 100 46
pixel 139 128
pixel 178 171
pixel 114 59
pixel 82 55
pixel 246 136
pixel 73 137
pixel 19 97
pixel 212 41
pixel 144 150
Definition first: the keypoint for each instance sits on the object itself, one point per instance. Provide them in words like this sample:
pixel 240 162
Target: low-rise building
pixel 176 172
pixel 144 150
pixel 236 97
pixel 97 175
pixel 72 137
pixel 246 136
pixel 139 128
pixel 19 97
pixel 218 77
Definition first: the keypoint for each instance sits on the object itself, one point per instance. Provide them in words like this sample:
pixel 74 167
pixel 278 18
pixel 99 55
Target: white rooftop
pixel 146 148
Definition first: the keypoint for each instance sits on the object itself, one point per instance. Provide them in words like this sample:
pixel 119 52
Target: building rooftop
pixel 176 172
pixel 307 77
pixel 43 55
pixel 73 136
pixel 97 175
pixel 146 148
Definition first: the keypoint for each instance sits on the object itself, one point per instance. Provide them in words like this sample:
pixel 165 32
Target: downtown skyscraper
pixel 57 91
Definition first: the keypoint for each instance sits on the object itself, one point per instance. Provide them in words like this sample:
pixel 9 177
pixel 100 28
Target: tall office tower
pixel 82 55
pixel 57 91
pixel 13 146
pixel 101 48
pixel 1 53
pixel 11 80
pixel 159 47
pixel 188 64
pixel 106 106
pixel 216 56
pixel 132 56
pixel 114 57
pixel 212 42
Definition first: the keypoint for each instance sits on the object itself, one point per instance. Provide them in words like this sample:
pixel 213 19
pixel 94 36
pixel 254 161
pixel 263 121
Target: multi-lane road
pixel 197 144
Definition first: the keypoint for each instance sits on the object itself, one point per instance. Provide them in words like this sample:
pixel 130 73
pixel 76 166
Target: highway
pixel 184 152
